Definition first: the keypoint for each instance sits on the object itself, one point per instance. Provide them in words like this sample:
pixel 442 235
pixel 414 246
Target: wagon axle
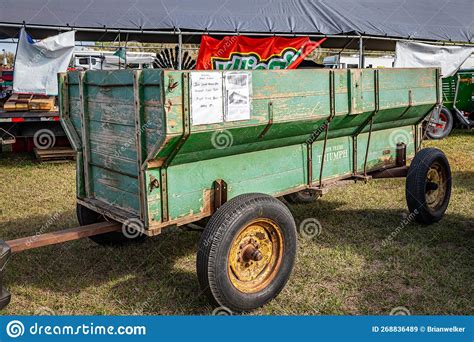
pixel 250 252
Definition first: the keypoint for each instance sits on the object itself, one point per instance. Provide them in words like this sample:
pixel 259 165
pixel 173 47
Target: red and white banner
pixel 244 53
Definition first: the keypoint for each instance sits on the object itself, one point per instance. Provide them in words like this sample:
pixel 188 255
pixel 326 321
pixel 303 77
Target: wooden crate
pixel 55 155
pixel 26 102
pixel 17 102
pixel 41 103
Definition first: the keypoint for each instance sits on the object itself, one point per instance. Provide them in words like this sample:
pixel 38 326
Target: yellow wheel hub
pixel 435 186
pixel 255 255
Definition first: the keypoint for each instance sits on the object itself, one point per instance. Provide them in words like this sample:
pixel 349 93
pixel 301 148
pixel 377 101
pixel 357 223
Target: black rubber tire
pixel 217 238
pixel 86 216
pixel 441 134
pixel 301 197
pixel 416 185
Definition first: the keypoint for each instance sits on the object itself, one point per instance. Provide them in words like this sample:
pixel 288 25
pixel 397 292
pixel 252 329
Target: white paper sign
pixel 237 95
pixel 206 98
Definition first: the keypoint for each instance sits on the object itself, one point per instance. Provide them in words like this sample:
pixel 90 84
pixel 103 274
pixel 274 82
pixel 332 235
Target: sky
pixel 7 46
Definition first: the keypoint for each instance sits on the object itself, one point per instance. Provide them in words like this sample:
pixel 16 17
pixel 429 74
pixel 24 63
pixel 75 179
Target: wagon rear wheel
pixel 86 216
pixel 428 185
pixel 247 251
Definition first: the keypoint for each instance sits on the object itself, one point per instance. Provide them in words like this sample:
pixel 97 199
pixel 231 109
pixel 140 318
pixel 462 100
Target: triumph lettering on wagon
pixel 337 152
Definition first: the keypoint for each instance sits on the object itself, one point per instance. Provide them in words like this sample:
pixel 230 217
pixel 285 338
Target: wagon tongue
pixel 5 253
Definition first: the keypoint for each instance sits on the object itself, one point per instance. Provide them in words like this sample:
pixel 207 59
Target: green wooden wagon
pixel 458 104
pixel 158 148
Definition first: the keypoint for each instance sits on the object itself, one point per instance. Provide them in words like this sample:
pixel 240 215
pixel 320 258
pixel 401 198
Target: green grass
pixel 344 270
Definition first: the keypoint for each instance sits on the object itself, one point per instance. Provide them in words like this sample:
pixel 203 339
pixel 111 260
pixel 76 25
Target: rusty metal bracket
pixel 309 151
pixel 323 156
pixel 332 106
pixel 154 184
pixel 354 155
pixel 172 84
pixel 220 193
pixel 368 146
pixel 164 194
pixel 401 155
pixel 370 120
pixel 270 120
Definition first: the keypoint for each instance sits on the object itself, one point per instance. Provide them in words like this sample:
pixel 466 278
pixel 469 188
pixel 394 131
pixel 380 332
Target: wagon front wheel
pixel 428 185
pixel 247 251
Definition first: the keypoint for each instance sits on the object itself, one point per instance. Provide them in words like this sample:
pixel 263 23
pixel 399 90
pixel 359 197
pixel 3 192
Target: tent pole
pixel 180 50
pixel 361 53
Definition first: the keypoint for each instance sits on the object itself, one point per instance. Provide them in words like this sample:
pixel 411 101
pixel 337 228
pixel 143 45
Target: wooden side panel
pixel 112 132
pixel 116 189
pixel 300 107
pixel 271 171
pixel 404 87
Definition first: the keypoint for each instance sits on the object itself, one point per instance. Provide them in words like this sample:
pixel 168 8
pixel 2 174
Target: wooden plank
pixel 61 236
pixel 54 154
pixel 56 150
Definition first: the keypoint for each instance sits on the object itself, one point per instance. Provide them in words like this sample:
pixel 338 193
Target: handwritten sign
pixel 206 98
